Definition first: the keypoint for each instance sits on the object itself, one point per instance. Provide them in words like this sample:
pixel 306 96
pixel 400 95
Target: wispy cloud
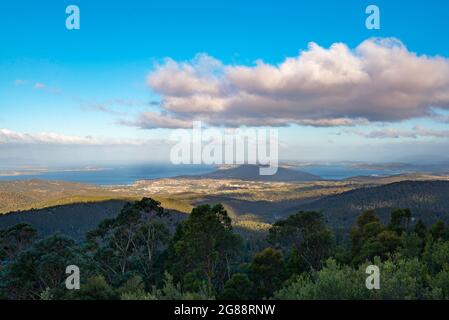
pixel 380 80
pixel 152 120
pixel 39 86
pixel 393 133
pixel 9 137
pixel 109 106
pixel 101 108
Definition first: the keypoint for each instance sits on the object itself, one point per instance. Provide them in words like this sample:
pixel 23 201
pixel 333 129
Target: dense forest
pixel 427 199
pixel 139 255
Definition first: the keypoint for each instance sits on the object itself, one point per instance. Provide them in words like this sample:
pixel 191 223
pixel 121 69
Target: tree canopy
pixel 142 254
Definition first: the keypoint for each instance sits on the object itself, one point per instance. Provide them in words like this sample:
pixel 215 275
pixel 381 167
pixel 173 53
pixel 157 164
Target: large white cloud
pixel 380 80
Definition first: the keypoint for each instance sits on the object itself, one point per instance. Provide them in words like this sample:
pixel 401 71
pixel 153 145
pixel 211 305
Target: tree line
pixel 136 255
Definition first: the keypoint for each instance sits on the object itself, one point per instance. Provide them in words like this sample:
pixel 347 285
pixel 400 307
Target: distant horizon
pixel 282 162
pixel 121 174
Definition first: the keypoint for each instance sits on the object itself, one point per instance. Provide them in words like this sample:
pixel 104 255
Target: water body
pixel 128 174
pixel 111 175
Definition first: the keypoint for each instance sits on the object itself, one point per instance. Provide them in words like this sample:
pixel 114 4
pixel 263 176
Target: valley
pixel 253 204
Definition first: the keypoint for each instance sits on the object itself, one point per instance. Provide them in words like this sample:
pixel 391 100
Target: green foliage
pixel 333 282
pixel 135 257
pixel 170 291
pixel 41 268
pixel 436 255
pixel 267 272
pixel 133 286
pixel 412 245
pixel 132 242
pixel 438 231
pixel 400 279
pixel 370 238
pixel 420 229
pixel 367 217
pixel 239 287
pixel 204 248
pixel 307 234
pixel 16 239
pixel 412 265
pixel 95 288
pixel 439 286
pixel 400 220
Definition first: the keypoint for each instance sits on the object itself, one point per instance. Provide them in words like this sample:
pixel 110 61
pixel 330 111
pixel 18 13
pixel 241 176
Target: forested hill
pixel 73 220
pixel 428 200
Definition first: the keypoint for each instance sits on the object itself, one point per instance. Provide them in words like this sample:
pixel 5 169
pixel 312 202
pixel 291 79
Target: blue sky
pixel 87 82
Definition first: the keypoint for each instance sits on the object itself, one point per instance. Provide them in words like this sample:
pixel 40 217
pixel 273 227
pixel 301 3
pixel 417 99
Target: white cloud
pixel 393 133
pixel 182 79
pixel 152 120
pixel 380 80
pixel 8 137
pixel 110 106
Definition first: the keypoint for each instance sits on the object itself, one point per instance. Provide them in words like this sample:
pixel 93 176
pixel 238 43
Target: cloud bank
pixel 379 80
pixel 9 137
pixel 65 150
pixel 392 133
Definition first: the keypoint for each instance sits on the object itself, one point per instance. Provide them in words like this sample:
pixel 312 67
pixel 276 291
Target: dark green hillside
pixel 76 219
pixel 266 211
pixel 73 220
pixel 428 200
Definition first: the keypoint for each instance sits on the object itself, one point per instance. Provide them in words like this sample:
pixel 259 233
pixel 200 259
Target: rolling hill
pixel 33 194
pixel 428 200
pixel 73 209
pixel 73 219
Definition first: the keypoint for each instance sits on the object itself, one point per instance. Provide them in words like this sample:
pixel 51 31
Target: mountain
pixel 249 172
pixel 428 200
